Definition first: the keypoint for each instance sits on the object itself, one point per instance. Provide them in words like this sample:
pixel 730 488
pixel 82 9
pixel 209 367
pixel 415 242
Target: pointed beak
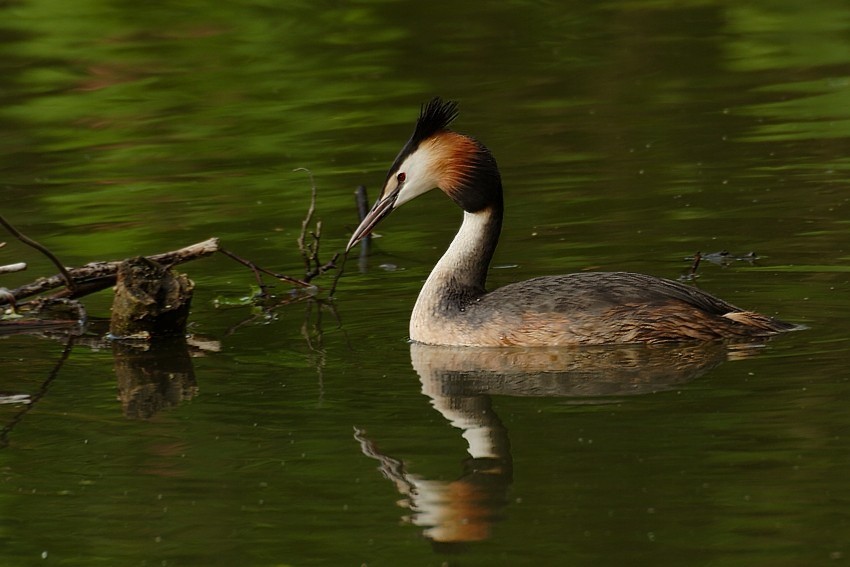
pixel 380 210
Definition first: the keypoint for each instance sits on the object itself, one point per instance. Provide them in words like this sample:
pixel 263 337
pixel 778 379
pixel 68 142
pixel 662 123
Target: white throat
pixel 459 268
pixel 465 248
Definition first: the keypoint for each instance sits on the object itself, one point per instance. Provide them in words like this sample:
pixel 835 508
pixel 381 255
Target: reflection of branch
pixel 65 316
pixel 69 281
pixel 310 330
pixel 4 433
pixel 268 306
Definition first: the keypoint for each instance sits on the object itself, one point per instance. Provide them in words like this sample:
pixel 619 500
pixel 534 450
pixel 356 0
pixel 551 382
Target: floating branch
pixel 96 276
pixel 9 268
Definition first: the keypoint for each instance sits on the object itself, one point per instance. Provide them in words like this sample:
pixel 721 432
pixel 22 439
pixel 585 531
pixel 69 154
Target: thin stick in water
pixel 69 281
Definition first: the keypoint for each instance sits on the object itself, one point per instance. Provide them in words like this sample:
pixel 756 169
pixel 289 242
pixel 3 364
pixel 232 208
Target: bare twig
pixel 313 266
pixel 339 272
pixel 311 210
pixel 361 199
pixel 69 281
pixel 317 235
pixel 258 270
pixel 319 270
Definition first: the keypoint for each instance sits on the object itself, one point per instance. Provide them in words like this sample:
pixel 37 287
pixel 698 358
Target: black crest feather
pixel 434 116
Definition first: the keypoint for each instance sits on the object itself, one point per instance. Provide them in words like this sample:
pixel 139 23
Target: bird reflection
pixel 462 510
pixel 460 382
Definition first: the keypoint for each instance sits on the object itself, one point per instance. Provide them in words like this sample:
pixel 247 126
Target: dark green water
pixel 630 135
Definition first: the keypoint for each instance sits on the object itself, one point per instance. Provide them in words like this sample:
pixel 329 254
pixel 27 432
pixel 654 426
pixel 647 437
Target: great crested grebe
pixel 454 307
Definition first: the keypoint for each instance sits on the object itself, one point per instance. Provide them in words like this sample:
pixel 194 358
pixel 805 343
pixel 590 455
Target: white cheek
pixel 420 176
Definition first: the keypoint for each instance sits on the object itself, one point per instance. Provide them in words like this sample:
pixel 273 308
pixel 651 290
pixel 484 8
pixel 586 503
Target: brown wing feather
pixel 600 307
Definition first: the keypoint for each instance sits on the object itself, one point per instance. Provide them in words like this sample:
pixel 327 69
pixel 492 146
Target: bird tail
pixel 763 323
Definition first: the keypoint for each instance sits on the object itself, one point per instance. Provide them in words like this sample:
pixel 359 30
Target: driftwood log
pixel 96 276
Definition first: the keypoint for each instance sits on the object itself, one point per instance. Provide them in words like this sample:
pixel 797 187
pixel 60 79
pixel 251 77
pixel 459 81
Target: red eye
pixel 401 177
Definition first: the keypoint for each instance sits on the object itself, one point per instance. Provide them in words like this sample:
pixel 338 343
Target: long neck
pixel 461 274
pixel 471 179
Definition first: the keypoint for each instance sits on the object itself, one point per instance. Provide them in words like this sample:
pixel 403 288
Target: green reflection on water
pixel 630 135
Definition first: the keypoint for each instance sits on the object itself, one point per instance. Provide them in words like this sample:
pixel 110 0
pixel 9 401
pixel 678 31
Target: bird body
pixel 454 307
pixel 600 308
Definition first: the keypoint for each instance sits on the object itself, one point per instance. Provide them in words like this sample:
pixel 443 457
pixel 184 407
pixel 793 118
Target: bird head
pixel 435 157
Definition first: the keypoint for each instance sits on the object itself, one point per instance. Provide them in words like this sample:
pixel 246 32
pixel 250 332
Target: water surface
pixel 630 136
